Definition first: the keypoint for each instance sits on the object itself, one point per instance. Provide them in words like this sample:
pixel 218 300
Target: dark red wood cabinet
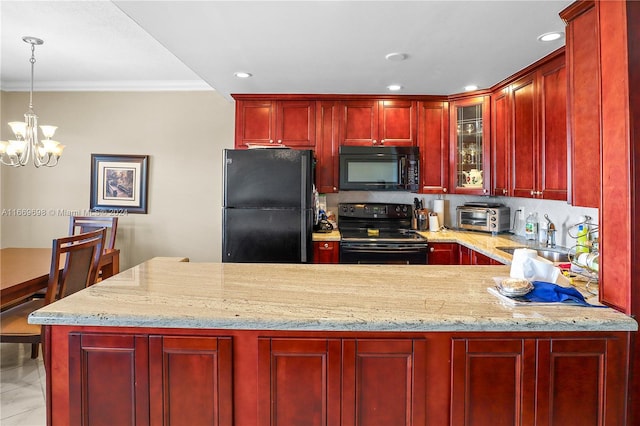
pixel 372 122
pixel 529 134
pixel 443 254
pixel 433 141
pixel 137 376
pixel 326 251
pixel 377 382
pixel 468 256
pixel 584 102
pixel 140 380
pixel 545 381
pixel 275 122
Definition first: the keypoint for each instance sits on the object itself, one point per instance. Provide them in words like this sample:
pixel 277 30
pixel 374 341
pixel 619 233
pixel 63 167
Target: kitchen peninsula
pixel 267 344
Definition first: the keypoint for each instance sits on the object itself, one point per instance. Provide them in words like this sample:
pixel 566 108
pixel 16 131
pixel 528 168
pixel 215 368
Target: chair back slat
pixel 80 270
pixel 83 224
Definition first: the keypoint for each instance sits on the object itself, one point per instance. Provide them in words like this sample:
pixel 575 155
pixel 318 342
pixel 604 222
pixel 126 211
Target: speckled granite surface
pixel 165 293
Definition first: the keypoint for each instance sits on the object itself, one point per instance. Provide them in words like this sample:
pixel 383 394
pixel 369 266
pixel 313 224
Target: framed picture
pixel 119 183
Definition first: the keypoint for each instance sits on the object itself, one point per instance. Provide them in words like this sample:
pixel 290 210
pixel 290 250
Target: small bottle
pixel 531 227
pixel 582 240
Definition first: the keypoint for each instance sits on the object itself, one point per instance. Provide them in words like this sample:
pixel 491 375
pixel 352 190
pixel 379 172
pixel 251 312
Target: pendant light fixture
pixel 17 152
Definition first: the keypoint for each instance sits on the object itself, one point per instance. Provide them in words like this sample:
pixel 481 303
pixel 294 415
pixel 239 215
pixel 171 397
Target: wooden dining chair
pixel 80 270
pixel 82 224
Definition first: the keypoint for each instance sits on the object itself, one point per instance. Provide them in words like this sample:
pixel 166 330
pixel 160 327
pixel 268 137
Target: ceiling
pixel 288 46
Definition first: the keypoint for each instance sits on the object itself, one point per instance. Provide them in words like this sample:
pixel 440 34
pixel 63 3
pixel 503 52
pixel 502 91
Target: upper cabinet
pixel 275 122
pixel 470 146
pixel 529 134
pixel 371 122
pixel 433 141
pixel 583 73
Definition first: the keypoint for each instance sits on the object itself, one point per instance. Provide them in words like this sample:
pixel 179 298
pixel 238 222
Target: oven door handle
pixel 395 250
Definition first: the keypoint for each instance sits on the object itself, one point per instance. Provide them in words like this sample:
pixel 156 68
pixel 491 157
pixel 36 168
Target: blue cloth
pixel 549 292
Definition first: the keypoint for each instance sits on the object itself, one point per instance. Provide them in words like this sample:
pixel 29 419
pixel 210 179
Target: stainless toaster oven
pixel 485 217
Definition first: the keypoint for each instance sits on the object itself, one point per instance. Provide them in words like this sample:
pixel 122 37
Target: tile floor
pixel 22 386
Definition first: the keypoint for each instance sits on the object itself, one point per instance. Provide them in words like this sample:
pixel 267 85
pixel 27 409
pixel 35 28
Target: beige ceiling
pixel 288 46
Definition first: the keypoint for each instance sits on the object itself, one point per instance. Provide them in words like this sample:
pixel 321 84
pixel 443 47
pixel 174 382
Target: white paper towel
pixel 434 224
pixel 438 208
pixel 519 258
pixel 528 265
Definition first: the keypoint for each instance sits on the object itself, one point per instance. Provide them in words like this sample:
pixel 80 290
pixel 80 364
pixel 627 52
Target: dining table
pixel 24 271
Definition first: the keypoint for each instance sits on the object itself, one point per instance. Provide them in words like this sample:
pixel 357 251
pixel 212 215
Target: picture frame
pixel 119 183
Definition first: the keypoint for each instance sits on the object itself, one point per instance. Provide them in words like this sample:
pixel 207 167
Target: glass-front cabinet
pixel 470 145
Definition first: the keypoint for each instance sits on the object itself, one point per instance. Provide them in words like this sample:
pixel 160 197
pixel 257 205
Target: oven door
pixel 383 253
pixel 475 219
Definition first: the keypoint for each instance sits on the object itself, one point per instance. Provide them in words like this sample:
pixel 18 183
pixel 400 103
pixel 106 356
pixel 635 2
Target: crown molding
pixel 108 86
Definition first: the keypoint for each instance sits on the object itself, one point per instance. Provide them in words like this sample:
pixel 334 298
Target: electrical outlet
pixel 521 213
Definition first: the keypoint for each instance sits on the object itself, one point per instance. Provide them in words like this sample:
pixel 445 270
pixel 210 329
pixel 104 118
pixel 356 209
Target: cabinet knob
pixel 504 192
pixel 381 141
pixel 484 191
pixel 270 140
pixel 279 140
pixel 431 249
pixel 335 189
pixel 444 189
pixel 375 141
pixel 533 193
pixel 326 245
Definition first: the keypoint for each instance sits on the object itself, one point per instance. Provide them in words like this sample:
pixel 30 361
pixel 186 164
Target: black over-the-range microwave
pixel 382 168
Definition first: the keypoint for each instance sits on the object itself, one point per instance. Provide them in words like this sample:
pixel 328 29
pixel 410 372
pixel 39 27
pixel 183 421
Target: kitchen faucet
pixel 551 232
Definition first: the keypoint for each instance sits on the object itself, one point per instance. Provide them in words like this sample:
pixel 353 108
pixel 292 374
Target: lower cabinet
pixel 443 254
pixel 141 380
pixel 549 381
pixel 326 252
pixel 469 256
pixel 341 382
pixel 130 376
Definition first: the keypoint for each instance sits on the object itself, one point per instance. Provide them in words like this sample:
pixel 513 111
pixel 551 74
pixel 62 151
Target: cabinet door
pixel 108 380
pixel 581 382
pixel 481 259
pixel 295 123
pixel 298 382
pixel 326 252
pixel 552 180
pixel 470 145
pixel 464 255
pixel 397 123
pixel 493 382
pixel 500 146
pixel 384 382
pixel 327 146
pixel 524 143
pixel 255 123
pixel 191 380
pixel 359 123
pixel 584 104
pixel 433 141
pixel 443 254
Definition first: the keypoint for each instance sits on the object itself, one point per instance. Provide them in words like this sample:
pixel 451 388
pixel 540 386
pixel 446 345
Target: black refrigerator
pixel 268 207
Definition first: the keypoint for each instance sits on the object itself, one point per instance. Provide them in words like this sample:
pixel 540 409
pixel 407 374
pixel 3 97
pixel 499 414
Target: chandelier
pixel 17 152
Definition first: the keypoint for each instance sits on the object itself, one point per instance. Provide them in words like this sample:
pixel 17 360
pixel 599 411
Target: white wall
pixel 184 134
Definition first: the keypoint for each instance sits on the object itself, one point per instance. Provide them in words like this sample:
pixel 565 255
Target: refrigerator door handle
pixel 303 212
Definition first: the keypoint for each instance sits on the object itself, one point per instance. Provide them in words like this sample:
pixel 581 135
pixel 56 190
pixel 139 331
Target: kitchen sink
pixel 554 254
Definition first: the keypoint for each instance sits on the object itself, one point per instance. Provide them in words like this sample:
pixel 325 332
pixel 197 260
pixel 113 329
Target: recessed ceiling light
pixel 555 35
pixel 394 87
pixel 396 57
pixel 470 88
pixel 242 74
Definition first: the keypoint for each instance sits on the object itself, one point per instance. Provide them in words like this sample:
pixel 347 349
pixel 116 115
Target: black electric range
pixel 379 233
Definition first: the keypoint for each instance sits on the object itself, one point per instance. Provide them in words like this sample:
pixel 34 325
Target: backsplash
pixel 563 215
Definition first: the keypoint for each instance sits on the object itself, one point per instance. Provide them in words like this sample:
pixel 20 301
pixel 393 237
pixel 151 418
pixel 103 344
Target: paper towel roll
pixel 519 258
pixel 434 224
pixel 438 208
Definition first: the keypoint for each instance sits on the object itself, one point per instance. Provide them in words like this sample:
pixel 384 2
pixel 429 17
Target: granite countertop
pixel 418 298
